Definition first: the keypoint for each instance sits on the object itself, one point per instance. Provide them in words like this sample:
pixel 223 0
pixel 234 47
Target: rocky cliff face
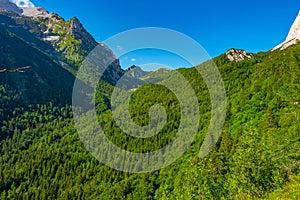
pixel 293 36
pixel 238 55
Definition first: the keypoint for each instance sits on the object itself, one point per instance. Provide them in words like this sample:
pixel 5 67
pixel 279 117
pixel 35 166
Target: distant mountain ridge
pixel 136 71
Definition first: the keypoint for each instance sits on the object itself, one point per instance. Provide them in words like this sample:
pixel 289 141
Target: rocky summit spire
pixel 293 36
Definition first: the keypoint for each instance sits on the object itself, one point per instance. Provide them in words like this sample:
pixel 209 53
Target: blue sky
pixel 256 25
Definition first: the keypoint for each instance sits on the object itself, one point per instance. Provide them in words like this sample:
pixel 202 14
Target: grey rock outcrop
pixel 238 55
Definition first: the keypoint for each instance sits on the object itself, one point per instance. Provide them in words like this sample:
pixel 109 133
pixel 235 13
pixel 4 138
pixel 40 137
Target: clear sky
pixel 256 25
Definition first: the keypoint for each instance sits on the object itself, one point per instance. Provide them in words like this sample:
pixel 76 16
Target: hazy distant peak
pixel 136 71
pixel 8 6
pixel 293 36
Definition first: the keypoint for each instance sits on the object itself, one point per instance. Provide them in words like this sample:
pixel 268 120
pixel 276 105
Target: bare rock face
pixel 238 55
pixel 35 12
pixel 293 36
pixel 5 5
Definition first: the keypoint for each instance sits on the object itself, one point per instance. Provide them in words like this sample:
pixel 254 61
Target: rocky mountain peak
pixel 76 28
pixel 78 31
pixel 136 71
pixel 76 24
pixel 6 5
pixel 238 55
pixel 132 67
pixel 293 36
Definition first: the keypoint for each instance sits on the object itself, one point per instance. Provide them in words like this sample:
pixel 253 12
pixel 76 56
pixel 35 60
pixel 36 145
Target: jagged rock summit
pixel 238 55
pixel 293 36
pixel 136 71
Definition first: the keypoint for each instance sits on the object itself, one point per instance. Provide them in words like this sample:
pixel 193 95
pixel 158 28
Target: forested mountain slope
pixel 42 156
